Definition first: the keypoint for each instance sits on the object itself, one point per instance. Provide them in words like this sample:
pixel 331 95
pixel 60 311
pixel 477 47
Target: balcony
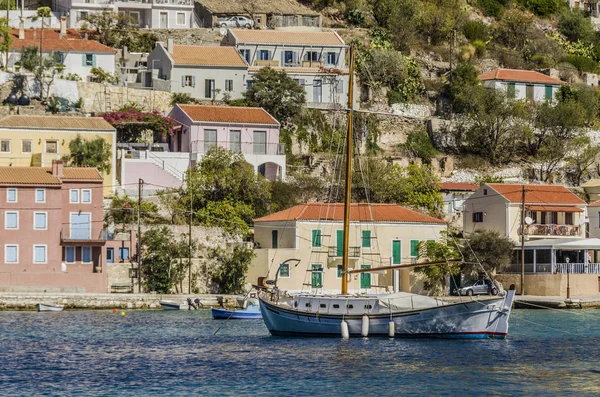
pixel 256 148
pixel 334 252
pixel 552 230
pixel 272 63
pixel 75 237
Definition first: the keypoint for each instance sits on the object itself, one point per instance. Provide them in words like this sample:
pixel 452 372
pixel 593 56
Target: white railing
pixel 577 268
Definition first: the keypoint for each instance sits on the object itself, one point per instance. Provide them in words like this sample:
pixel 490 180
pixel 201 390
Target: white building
pixel 316 60
pixel 204 72
pixel 522 84
pixel 78 55
pixel 152 14
pixel 454 195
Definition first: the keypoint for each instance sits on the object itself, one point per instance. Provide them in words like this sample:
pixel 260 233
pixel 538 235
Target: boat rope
pixel 553 328
pixel 577 313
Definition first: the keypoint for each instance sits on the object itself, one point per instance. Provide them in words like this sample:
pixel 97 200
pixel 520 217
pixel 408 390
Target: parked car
pixel 480 287
pixel 236 22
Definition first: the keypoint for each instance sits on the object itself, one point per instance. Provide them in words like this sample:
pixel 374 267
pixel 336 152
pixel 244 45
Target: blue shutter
pixel 193 81
pixel 83 60
pixel 183 81
pixel 94 60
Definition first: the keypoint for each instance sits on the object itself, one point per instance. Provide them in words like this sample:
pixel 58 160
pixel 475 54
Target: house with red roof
pixel 312 234
pixel 78 55
pixel 522 84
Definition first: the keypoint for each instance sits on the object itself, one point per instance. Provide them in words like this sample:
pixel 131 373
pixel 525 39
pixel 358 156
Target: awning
pixel 563 244
pixel 553 208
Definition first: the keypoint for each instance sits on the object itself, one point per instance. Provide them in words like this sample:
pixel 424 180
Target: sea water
pixel 152 353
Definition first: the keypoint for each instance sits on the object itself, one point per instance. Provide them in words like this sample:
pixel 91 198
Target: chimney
pixel 21 30
pixel 57 168
pixel 170 46
pixel 63 25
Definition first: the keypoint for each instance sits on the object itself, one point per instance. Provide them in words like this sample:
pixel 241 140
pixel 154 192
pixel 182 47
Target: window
pixel 263 55
pixel 331 58
pixel 249 83
pixel 289 58
pixel 568 218
pixel 316 239
pixel 210 139
pixel 274 238
pixel 284 271
pixel 88 60
pixel 313 56
pixel 81 225
pixel 301 82
pixel 11 220
pixel 511 91
pixel 26 146
pixel 529 91
pixel 86 196
pixel 366 239
pixel 74 196
pixel 414 248
pixel 40 195
pixel 245 54
pixel 260 142
pixel 11 253
pixel 5 146
pixel 235 141
pixel 51 146
pixel 548 92
pixel 123 253
pixel 135 17
pixel 82 16
pixel 11 195
pixel 61 57
pixel 110 255
pixel 229 85
pixel 180 18
pixel 188 81
pixel 485 192
pixel 86 254
pixel 477 217
pixel 39 254
pixel 316 276
pixel 209 88
pixel 340 271
pixel 70 254
pixel 40 220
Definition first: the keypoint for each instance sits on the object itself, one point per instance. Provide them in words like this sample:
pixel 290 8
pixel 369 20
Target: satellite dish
pixel 223 32
pixel 528 220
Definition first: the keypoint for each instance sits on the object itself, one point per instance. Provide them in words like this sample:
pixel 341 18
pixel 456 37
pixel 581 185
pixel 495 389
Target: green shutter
pixel 548 92
pixel 284 270
pixel 414 247
pixel 340 243
pixel 511 93
pixel 316 276
pixel 316 238
pixel 396 252
pixel 274 239
pixel 366 239
pixel 339 271
pixel 365 278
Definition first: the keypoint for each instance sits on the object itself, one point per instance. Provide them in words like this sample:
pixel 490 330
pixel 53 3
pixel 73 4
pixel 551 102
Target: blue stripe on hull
pixel 402 336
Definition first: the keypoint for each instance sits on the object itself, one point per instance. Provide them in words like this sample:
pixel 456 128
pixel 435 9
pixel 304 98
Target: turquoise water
pixel 151 353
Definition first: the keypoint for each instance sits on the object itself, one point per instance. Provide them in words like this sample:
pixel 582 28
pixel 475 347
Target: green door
pixel 396 252
pixel 316 276
pixel 365 278
pixel 339 243
pixel 274 238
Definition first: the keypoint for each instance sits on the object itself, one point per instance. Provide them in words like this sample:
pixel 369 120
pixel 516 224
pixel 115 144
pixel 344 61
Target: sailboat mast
pixel 349 152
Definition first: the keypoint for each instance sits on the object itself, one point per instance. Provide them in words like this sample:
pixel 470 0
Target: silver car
pixel 236 22
pixel 479 288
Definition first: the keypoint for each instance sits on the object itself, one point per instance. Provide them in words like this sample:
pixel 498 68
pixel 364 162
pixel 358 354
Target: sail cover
pixel 408 301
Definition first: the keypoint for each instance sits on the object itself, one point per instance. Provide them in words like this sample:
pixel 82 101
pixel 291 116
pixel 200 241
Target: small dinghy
pixel 171 305
pixel 44 307
pixel 252 311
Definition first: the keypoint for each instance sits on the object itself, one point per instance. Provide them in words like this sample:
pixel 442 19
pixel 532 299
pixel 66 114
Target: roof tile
pixel 525 76
pixel 537 194
pixel 52 42
pixel 287 37
pixel 56 123
pixel 228 114
pixel 358 212
pixel 207 56
pixel 43 175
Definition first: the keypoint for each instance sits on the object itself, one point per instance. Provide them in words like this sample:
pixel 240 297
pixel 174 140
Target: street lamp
pixel 568 281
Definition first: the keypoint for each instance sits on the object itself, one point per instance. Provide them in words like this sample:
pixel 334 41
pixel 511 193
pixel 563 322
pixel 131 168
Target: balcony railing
pixel 334 252
pixel 557 268
pixel 67 236
pixel 552 230
pixel 175 2
pixel 203 147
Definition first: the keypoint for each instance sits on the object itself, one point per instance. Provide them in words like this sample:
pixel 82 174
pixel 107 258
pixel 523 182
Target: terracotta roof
pixel 207 56
pixel 554 208
pixel 283 7
pixel 52 42
pixel 56 123
pixel 329 38
pixel 228 114
pixel 15 176
pixel 292 70
pixel 458 186
pixel 537 194
pixel 525 76
pixel 358 212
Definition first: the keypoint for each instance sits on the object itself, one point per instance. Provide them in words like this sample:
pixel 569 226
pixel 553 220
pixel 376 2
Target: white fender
pixel 345 333
pixel 365 326
pixel 391 330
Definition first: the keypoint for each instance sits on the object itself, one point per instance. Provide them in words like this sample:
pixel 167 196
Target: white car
pixel 480 287
pixel 236 22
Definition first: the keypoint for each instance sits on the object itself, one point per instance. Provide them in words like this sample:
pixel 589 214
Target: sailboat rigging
pixel 398 314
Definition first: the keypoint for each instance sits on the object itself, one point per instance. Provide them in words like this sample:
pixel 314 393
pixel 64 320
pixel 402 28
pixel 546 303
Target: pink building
pixel 52 235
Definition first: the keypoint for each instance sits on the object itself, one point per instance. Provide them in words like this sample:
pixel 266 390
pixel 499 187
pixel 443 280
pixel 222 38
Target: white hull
pixel 486 318
pixel 169 305
pixel 41 307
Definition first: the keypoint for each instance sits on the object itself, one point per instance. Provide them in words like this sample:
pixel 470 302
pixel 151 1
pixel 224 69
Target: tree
pixel 277 93
pixel 44 68
pixel 228 276
pixel 123 211
pixel 561 121
pixel 111 27
pixel 436 276
pixel 575 26
pixel 6 37
pixel 486 251
pixel 514 29
pixel 91 153
pixel 102 76
pixel 459 86
pixel 419 144
pixel 582 154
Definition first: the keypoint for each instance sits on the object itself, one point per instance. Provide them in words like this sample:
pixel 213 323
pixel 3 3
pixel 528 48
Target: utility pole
pixel 139 234
pixel 190 227
pixel 523 240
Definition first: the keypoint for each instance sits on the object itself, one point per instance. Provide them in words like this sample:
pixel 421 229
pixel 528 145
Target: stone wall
pixel 199 36
pixel 552 284
pixel 100 98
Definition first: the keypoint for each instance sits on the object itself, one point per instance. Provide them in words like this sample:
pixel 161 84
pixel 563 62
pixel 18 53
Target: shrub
pixel 583 64
pixel 356 17
pixel 575 26
pixel 542 8
pixel 394 97
pixel 419 144
pixel 492 8
pixel 476 30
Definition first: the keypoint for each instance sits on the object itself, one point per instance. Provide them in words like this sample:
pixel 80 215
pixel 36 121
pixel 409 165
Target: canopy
pixel 565 244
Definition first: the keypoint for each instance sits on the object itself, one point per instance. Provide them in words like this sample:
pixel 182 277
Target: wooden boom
pixel 401 266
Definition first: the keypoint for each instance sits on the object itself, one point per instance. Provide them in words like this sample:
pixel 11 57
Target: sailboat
pixel 397 314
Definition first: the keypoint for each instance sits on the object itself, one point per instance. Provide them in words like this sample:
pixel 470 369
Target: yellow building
pixel 34 141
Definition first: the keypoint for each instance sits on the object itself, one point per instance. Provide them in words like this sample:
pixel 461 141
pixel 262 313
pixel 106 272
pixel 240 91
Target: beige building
pixel 551 211
pixel 592 189
pixel 34 141
pixel 380 234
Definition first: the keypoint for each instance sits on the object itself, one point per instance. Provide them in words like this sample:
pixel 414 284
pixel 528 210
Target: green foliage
pixel 277 93
pixel 138 41
pixel 53 106
pixel 581 157
pixel 486 250
pixel 493 8
pixel 438 18
pixel 164 259
pixel 44 68
pixel 514 29
pixel 483 179
pixel 11 4
pixel 123 211
pixel 102 76
pixel 231 215
pixel 436 276
pixel 541 8
pixel 324 137
pixel 575 26
pixel 583 64
pixel 419 144
pixel 476 30
pixel 356 17
pixel 458 88
pixel 71 77
pixel 91 153
pixel 5 36
pixel 228 276
pixel 79 103
pixel 181 98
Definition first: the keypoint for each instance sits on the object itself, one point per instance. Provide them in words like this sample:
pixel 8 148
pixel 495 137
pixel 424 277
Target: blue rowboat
pixel 249 313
